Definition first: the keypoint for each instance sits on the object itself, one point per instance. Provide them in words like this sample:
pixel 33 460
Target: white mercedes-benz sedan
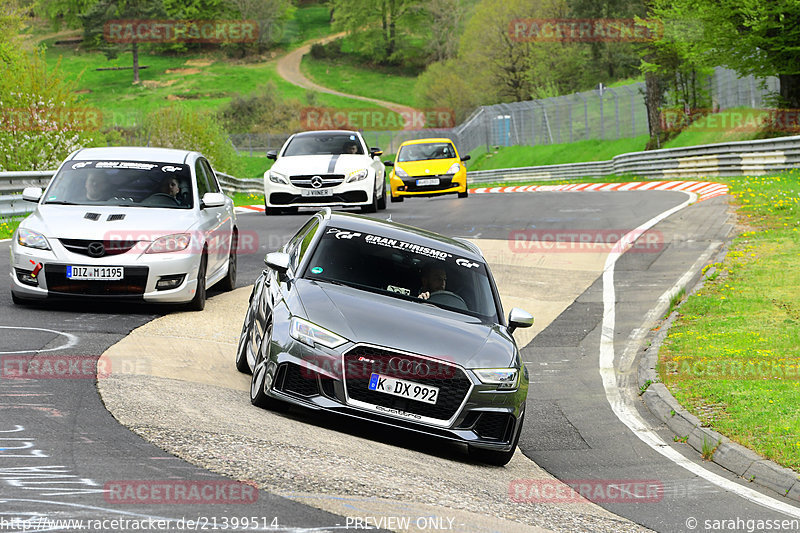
pixel 148 224
pixel 325 168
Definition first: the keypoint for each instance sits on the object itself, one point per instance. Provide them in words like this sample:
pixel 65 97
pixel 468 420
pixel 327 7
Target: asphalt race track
pixel 62 452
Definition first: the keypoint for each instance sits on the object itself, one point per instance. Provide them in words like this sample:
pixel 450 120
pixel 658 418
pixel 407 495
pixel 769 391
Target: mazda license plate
pixel 403 388
pixel 95 273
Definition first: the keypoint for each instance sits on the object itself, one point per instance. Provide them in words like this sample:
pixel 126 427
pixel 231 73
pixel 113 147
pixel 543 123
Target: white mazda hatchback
pixel 148 224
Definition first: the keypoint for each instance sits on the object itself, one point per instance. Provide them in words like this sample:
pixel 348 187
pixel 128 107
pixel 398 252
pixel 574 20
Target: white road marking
pixel 620 400
pixel 72 340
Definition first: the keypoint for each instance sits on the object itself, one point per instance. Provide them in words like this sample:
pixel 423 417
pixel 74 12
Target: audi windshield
pixel 403 269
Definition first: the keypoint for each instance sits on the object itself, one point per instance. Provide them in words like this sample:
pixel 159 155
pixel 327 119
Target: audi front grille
pixel 362 361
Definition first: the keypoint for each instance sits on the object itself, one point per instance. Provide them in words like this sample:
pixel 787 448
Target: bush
pixel 262 111
pixel 42 121
pixel 179 127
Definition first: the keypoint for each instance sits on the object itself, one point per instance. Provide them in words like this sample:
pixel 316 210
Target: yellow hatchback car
pixel 427 167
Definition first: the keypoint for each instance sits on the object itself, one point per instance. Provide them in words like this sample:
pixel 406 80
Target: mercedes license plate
pixel 95 273
pixel 316 192
pixel 403 388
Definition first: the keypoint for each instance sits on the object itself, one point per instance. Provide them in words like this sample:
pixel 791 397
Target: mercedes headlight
pixel 504 378
pixel 311 334
pixel 454 168
pixel 32 239
pixel 277 177
pixel 400 173
pixel 169 243
pixel 357 175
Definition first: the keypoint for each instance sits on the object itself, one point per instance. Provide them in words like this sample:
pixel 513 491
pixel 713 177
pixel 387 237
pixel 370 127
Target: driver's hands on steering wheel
pixel 424 295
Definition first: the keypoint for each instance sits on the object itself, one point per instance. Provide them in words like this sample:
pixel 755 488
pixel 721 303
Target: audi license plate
pixel 316 192
pixel 427 181
pixel 95 273
pixel 403 388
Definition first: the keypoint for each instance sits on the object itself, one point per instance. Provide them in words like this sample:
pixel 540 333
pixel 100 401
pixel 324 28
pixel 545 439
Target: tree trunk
pixel 790 90
pixel 652 100
pixel 135 63
pixel 392 24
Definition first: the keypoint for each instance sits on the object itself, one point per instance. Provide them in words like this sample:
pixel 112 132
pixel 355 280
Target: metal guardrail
pixel 709 160
pixel 732 159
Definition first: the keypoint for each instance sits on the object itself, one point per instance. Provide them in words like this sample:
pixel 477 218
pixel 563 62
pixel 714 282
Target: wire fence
pixel 605 113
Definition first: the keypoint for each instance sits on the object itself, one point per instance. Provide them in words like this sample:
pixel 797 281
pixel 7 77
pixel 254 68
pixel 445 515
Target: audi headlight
pixel 32 239
pixel 400 173
pixel 357 175
pixel 169 243
pixel 455 167
pixel 311 334
pixel 504 378
pixel 277 177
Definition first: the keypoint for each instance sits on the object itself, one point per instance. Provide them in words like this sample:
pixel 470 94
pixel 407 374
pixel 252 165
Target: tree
pixel 65 12
pixel 10 26
pixel 106 11
pixel 377 26
pixel 750 36
pixel 447 19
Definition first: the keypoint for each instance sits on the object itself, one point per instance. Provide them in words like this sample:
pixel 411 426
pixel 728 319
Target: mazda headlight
pixel 32 239
pixel 357 175
pixel 400 173
pixel 311 334
pixel 170 243
pixel 277 177
pixel 504 378
pixel 454 168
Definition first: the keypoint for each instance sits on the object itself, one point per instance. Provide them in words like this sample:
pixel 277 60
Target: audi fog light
pixel 504 378
pixel 311 334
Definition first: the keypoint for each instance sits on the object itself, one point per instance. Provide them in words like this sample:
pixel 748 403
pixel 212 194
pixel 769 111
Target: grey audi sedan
pixel 386 322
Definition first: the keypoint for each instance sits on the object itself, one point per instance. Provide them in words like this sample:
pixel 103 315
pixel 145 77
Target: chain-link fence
pixel 605 113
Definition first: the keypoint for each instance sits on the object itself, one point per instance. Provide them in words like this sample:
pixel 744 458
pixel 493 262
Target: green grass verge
pixel 739 124
pixel 8 226
pixel 554 154
pixel 733 356
pixel 247 199
pixel 373 82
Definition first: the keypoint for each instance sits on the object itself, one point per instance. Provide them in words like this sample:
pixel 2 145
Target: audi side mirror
pixel 518 318
pixel 278 261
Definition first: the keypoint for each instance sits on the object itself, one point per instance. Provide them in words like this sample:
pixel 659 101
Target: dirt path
pixel 288 67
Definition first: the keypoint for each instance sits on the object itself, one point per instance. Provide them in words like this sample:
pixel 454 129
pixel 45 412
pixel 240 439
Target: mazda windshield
pixel 122 183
